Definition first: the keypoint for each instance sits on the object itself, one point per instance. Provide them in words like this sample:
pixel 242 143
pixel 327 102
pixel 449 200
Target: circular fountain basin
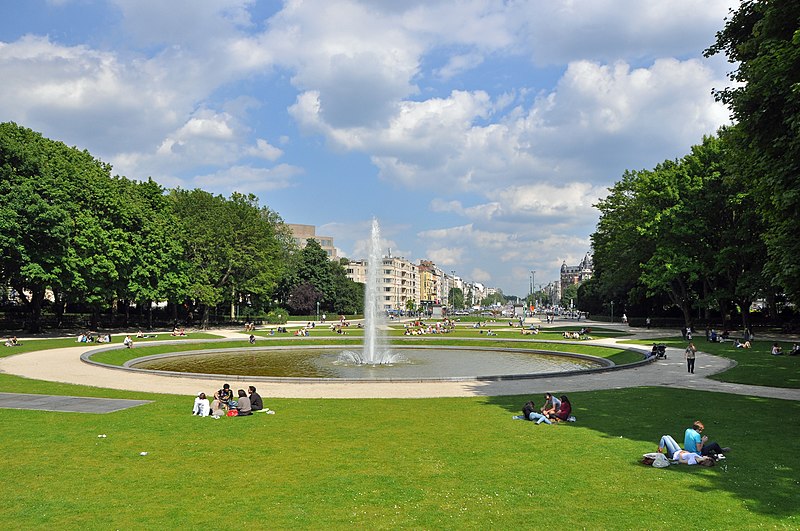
pixel 417 363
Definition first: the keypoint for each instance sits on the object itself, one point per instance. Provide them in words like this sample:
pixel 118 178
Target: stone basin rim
pixel 606 365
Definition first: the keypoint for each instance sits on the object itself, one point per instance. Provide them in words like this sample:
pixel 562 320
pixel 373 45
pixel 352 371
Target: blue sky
pixel 479 133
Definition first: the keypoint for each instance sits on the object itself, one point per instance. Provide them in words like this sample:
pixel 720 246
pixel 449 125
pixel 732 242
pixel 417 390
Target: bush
pixel 277 316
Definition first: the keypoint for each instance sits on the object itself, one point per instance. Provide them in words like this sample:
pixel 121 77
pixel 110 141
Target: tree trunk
pixel 206 312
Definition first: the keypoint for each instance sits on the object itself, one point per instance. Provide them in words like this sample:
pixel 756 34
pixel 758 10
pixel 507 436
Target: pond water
pixel 413 363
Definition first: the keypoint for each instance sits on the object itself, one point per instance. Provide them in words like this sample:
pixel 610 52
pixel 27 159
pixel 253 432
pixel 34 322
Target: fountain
pixel 375 350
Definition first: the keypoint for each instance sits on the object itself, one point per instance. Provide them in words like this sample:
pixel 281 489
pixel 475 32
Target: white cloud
pixel 264 150
pixel 247 179
pixel 446 256
pixel 480 275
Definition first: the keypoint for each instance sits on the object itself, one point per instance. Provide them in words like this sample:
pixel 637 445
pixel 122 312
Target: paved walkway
pixel 70 404
pixel 64 365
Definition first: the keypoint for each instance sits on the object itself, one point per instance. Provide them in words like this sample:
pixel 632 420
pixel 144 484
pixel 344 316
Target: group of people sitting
pixel 92 337
pixel 777 350
pixel 696 448
pixel 178 332
pixel 420 329
pixel 583 333
pixel 554 410
pixel 12 341
pixel 225 404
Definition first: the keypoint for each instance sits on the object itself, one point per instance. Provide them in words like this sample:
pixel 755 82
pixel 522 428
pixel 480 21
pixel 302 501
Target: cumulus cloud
pixel 445 97
pixel 247 179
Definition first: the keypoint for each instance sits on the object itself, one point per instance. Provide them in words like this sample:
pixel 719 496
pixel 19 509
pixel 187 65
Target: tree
pixel 61 217
pixel 763 39
pixel 569 296
pixel 456 298
pixel 232 247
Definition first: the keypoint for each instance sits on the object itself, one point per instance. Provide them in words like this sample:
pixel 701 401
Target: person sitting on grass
pixel 128 342
pixel 224 395
pixel 795 350
pixel 776 349
pixel 551 404
pixel 564 411
pixel 201 406
pixel 693 442
pixel 674 452
pixel 256 404
pixel 243 404
pixel 739 344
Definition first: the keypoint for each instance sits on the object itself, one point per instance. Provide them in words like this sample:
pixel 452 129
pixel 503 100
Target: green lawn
pixel 30 345
pixel 754 366
pixel 453 463
pixel 458 463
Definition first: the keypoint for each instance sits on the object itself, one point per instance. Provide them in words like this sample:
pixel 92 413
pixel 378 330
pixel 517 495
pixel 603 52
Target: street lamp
pixel 612 311
pixel 317 310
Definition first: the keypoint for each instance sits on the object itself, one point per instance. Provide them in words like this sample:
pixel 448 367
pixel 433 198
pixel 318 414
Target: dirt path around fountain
pixel 64 365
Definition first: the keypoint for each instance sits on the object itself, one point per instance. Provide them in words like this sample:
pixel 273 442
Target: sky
pixel 479 133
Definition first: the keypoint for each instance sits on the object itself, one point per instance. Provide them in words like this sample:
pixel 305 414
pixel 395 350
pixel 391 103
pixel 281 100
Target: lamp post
pixel 612 311
pixel 317 310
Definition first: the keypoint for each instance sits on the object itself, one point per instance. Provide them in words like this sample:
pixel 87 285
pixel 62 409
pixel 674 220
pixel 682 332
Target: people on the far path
pixel 691 354
pixel 243 404
pixel 128 342
pixel 256 404
pixel 564 411
pixel 694 442
pixel 624 318
pixel 201 406
pixel 776 349
pixel 670 448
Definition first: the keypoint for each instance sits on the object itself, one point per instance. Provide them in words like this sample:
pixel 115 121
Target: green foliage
pixel 763 40
pixel 686 229
pixel 277 316
pixel 456 298
pixel 311 277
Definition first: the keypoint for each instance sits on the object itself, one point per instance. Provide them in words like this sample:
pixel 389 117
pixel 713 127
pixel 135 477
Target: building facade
pixel 576 274
pixel 302 233
pixel 398 278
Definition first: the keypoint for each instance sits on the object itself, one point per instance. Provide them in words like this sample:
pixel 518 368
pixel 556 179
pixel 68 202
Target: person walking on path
pixel 691 354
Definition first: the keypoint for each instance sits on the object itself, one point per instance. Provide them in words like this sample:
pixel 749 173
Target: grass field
pixel 452 463
pixel 754 366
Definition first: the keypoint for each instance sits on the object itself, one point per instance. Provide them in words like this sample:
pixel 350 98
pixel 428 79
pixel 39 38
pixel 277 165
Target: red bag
pixel 233 413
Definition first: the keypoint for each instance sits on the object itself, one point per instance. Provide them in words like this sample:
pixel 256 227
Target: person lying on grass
pixel 529 413
pixel 673 451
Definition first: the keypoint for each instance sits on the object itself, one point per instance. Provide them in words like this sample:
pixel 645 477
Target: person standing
pixel 691 354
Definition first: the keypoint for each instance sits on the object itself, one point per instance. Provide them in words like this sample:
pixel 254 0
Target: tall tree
pixel 763 39
pixel 231 246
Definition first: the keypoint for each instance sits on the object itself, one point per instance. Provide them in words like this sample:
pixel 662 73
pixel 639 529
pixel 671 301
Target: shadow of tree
pixel 761 469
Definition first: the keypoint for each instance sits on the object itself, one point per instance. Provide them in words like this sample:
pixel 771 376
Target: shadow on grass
pixel 762 468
